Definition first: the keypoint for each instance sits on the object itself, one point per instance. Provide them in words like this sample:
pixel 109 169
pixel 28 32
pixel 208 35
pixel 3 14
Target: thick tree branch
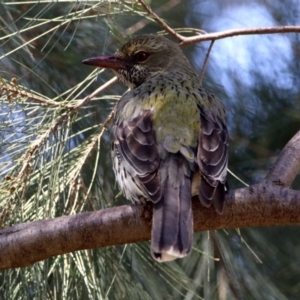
pixel 24 244
pixel 268 203
pixel 288 163
pixel 264 204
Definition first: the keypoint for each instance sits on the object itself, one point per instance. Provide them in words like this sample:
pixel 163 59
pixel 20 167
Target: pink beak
pixel 106 61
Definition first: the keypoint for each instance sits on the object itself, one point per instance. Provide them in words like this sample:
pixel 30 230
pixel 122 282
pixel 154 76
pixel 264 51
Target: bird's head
pixel 142 58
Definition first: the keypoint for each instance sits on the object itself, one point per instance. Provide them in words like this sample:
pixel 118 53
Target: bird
pixel 169 139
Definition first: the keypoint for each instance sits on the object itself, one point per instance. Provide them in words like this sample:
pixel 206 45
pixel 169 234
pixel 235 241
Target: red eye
pixel 141 56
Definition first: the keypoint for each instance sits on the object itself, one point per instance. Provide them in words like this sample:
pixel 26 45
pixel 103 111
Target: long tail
pixel 172 224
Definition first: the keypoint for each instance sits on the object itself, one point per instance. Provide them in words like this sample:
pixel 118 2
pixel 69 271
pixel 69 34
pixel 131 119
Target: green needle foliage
pixel 55 158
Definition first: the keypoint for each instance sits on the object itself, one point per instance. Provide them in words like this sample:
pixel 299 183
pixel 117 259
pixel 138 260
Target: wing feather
pixel 135 141
pixel 212 158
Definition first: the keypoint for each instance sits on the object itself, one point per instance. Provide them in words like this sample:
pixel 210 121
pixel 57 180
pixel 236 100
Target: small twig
pixel 12 89
pixel 141 24
pixel 228 279
pixel 87 152
pixel 235 32
pixel 205 61
pixel 184 41
pixel 163 24
pixel 108 120
pixel 93 94
pixel 64 117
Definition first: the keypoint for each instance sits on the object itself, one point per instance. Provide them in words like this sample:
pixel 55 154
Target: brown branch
pixel 25 244
pixel 96 92
pixel 141 24
pixel 184 41
pixel 235 32
pixel 205 61
pixel 288 163
pixel 263 204
pixel 160 22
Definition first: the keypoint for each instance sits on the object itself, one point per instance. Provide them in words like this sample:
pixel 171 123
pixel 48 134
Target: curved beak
pixel 106 61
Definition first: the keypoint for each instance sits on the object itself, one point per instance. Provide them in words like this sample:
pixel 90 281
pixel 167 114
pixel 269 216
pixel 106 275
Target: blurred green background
pixel 256 76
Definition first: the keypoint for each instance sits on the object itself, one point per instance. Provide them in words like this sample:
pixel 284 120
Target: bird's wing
pixel 212 155
pixel 135 142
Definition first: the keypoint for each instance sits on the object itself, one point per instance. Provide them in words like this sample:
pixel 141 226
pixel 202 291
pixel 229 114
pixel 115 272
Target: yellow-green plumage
pixel 175 115
pixel 168 132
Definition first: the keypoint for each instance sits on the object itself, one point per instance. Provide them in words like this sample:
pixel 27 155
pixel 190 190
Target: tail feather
pixel 172 226
pixel 186 228
pixel 210 191
pixel 218 199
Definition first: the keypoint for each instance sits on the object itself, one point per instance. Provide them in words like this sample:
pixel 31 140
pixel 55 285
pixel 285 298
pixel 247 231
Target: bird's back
pixel 168 131
pixel 175 100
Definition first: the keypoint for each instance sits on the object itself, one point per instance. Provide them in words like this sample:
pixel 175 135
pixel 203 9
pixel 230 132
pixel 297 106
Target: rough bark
pixel 270 202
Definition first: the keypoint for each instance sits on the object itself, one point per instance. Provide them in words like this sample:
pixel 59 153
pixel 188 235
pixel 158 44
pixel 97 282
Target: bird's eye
pixel 141 56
